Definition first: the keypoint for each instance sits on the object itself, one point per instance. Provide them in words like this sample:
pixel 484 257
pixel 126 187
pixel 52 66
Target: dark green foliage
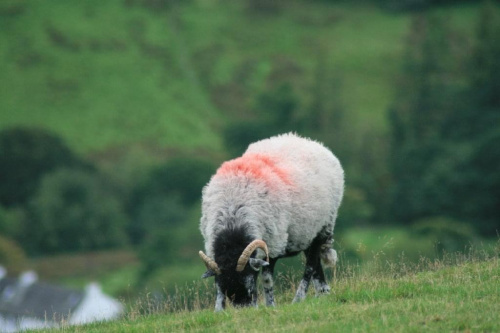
pixel 474 130
pixel 355 209
pixel 73 210
pixel 277 114
pixel 183 177
pixel 327 119
pixel 446 129
pixel 10 220
pixel 475 127
pixel 415 5
pixel 447 234
pixel 239 134
pixel 161 201
pixel 156 212
pixel 265 6
pixel 485 67
pixel 157 250
pixel 424 102
pixel 153 5
pixel 12 256
pixel 26 155
pixel 277 107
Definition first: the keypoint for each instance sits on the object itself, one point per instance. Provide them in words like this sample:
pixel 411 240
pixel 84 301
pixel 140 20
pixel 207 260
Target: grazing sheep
pixel 280 198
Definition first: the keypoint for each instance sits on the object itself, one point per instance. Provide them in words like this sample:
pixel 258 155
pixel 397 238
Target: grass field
pixel 460 292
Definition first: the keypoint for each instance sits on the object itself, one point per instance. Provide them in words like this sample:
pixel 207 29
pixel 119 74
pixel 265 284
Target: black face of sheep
pixel 236 268
pixel 240 288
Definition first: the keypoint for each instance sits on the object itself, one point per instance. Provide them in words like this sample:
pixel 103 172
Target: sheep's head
pixel 236 268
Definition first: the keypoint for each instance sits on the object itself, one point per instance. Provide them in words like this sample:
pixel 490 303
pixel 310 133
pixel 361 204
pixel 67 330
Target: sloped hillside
pixel 115 73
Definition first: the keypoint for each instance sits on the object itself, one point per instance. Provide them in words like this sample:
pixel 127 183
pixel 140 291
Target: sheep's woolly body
pixel 285 190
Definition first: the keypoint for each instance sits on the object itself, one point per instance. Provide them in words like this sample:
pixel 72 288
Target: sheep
pixel 280 198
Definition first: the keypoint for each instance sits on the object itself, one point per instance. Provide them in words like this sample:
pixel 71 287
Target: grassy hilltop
pixel 392 297
pixel 107 75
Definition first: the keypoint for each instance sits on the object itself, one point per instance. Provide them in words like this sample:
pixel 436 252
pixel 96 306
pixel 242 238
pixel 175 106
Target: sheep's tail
pixel 327 254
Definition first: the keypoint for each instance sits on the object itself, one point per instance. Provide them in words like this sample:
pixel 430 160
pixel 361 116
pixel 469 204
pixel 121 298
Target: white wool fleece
pixel 285 190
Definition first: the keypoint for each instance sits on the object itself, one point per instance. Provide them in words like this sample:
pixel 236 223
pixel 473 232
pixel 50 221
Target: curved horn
pixel 247 252
pixel 211 264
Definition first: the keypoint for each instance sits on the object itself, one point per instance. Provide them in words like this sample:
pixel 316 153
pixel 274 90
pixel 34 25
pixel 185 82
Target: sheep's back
pixel 316 184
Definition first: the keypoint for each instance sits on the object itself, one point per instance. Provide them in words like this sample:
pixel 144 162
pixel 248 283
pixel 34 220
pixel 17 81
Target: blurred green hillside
pixel 114 115
pixel 107 75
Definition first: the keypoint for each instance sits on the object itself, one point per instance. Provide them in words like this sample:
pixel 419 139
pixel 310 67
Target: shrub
pixel 73 211
pixel 26 155
pixel 12 257
pixel 10 220
pixel 156 251
pixel 238 135
pixel 184 177
pixel 355 209
pixel 163 198
pixel 276 109
pixel 447 234
pixel 181 177
pixel 157 212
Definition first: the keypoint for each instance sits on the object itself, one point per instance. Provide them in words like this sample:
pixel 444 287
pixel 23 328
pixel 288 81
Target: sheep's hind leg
pixel 329 259
pixel 267 281
pixel 319 281
pixel 312 262
pixel 320 250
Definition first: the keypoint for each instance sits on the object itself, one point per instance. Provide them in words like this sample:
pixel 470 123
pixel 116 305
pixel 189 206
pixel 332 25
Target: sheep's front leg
pixel 267 281
pixel 220 301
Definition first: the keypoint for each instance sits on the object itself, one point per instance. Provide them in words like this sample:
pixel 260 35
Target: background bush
pixel 26 155
pixel 447 234
pixel 12 256
pixel 73 210
pixel 162 199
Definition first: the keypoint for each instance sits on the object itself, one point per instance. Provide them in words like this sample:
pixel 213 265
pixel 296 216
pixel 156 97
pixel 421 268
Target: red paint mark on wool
pixel 256 166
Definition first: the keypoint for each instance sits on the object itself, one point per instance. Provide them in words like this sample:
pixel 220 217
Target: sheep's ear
pixel 256 264
pixel 208 274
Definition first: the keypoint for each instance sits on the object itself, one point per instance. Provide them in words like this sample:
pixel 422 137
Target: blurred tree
pixel 157 212
pixel 184 177
pixel 277 108
pixel 447 234
pixel 415 5
pixel 26 155
pixel 372 174
pixel 475 126
pixel 265 6
pixel 12 256
pixel 276 111
pixel 153 5
pixel 73 211
pixel 10 220
pixel 446 130
pixel 426 97
pixel 239 134
pixel 326 119
pixel 157 250
pixel 161 200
